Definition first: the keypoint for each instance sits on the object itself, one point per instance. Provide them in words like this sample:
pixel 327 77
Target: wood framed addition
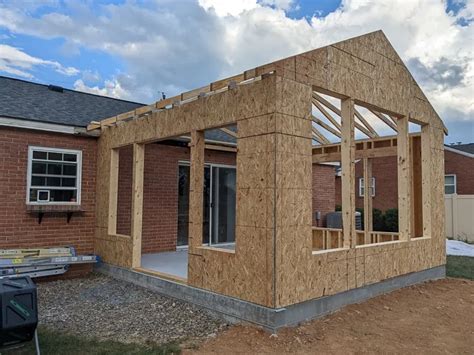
pixel 290 115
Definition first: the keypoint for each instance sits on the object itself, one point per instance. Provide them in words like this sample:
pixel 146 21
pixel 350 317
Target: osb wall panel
pixel 247 272
pixel 302 275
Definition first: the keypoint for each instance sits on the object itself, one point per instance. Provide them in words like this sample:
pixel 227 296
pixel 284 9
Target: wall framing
pixel 274 264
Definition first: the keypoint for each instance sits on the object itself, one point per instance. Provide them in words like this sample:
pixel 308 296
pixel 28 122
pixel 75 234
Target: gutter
pixel 46 127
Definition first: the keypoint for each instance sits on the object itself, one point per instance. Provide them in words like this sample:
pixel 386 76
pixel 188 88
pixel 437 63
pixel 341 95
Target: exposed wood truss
pixel 334 127
pixel 366 148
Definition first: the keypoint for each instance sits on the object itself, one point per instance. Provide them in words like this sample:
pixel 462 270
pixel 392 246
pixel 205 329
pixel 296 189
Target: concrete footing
pixel 234 310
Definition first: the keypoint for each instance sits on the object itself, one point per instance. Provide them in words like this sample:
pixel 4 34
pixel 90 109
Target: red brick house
pixel 48 165
pixel 459 177
pixel 48 173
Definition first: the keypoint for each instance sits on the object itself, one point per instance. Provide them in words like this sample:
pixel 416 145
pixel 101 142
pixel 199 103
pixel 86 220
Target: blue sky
pixel 135 49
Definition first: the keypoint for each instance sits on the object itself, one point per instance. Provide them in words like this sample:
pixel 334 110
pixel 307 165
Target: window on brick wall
pixel 54 176
pixel 361 187
pixel 449 184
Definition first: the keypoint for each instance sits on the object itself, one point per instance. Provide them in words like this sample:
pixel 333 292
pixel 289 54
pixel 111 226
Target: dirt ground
pixel 432 318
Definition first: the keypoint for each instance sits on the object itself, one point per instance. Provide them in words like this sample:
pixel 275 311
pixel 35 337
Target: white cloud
pixel 111 88
pixel 14 61
pixel 175 46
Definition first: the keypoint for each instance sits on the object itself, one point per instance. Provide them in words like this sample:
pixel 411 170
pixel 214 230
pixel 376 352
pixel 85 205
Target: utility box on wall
pixel 19 310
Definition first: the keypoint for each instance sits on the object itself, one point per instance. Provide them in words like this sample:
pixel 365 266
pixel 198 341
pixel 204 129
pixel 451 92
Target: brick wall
pixel 386 186
pixel 160 193
pixel 463 168
pixel 324 192
pixel 18 227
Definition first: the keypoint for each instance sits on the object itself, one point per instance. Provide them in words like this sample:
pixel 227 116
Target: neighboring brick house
pixel 459 177
pixel 48 173
pixel 42 116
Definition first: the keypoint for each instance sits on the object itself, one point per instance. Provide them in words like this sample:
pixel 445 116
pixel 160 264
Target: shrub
pixel 391 220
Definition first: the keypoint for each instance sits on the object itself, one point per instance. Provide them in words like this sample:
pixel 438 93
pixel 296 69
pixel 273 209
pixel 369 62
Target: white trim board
pixel 43 126
pixel 454 150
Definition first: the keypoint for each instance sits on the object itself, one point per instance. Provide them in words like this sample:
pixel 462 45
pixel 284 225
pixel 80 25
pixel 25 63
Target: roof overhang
pixel 45 126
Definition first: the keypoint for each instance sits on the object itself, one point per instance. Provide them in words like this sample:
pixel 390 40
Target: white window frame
pixel 361 187
pixel 78 153
pixel 455 184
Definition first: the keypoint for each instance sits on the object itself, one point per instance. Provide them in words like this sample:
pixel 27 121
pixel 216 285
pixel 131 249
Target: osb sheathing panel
pixel 368 70
pixel 246 273
pixel 302 275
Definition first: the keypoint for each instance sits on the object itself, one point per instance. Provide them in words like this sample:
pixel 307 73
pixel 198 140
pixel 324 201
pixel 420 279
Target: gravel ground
pixel 101 307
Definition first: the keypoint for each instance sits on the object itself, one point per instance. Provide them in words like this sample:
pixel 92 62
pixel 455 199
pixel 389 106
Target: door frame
pixel 210 165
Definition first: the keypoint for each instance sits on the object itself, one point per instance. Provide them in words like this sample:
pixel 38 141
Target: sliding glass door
pixel 223 205
pixel 218 203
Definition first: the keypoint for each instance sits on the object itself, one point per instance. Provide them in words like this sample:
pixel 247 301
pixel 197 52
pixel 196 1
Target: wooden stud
pixel 113 190
pixel 137 203
pixel 196 213
pixel 404 185
pixel 368 222
pixel 348 173
pixel 426 183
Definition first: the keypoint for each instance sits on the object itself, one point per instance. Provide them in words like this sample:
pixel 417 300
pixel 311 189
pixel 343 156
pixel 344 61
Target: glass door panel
pixel 223 205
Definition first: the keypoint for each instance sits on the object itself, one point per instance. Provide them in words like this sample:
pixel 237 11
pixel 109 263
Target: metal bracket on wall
pixel 40 217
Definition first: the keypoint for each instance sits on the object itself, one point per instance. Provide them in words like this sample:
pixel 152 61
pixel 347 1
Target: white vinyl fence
pixel 460 217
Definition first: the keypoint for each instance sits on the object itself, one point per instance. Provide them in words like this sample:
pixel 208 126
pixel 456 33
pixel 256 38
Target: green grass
pixel 59 344
pixel 460 266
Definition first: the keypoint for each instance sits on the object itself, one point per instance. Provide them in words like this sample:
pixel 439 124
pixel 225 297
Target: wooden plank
pixel 193 93
pixel 143 110
pixel 327 114
pixel 368 224
pixel 219 84
pixel 196 213
pixel 137 203
pixel 348 173
pixel 166 102
pixel 320 136
pixel 404 185
pixel 359 154
pixel 416 188
pixel 113 190
pixel 426 181
pixel 222 148
pixel 326 127
pixel 366 124
pixel 229 132
pixel 385 120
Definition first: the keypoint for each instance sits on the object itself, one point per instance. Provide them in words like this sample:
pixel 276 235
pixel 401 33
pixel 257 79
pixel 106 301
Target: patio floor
pixel 172 262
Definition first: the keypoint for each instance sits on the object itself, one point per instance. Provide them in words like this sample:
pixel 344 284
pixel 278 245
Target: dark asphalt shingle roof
pixel 36 102
pixel 467 148
pixel 31 101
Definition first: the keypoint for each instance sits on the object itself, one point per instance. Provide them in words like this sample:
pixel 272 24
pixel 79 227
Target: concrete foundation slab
pixel 172 262
pixel 272 319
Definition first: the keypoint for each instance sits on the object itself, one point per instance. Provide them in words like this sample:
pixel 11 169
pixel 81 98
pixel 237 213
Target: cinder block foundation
pixel 272 319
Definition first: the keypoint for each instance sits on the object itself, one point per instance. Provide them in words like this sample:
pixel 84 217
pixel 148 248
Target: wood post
pixel 368 224
pixel 404 183
pixel 348 173
pixel 113 191
pixel 137 202
pixel 426 179
pixel 196 186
